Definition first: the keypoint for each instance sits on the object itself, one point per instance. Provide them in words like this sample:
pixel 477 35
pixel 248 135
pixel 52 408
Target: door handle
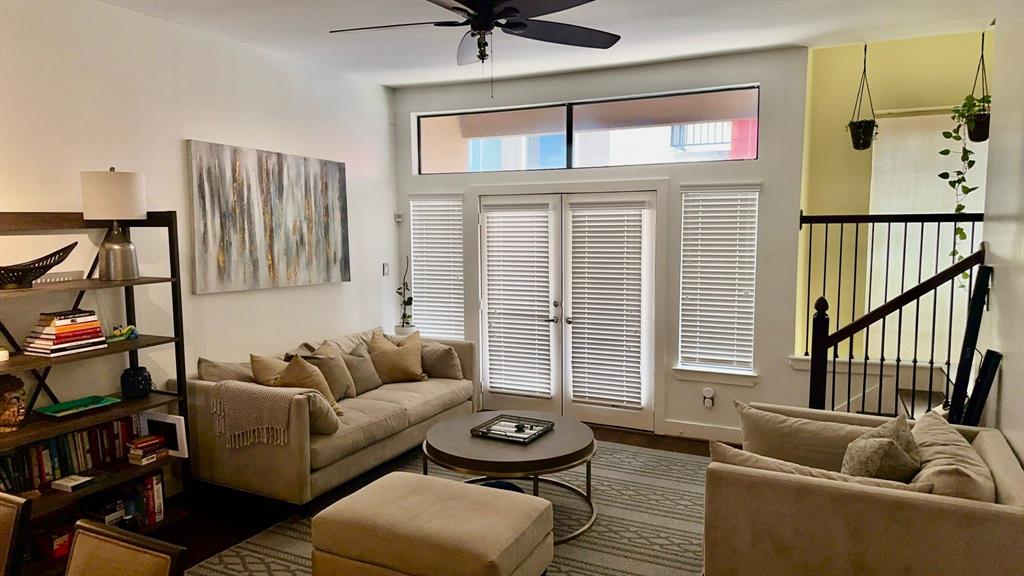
pixel 553 320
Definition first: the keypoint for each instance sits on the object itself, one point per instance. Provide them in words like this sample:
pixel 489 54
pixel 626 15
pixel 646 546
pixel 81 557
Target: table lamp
pixel 115 196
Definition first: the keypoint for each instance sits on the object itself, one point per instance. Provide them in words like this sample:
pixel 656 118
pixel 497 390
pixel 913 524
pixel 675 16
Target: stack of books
pixel 65 332
pixel 146 450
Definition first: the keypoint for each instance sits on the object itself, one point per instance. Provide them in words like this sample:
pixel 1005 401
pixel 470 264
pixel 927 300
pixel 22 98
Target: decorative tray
pixel 76 407
pixel 517 429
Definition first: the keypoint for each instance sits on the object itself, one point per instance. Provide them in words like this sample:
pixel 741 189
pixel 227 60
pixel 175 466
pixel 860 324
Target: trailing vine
pixel 957 180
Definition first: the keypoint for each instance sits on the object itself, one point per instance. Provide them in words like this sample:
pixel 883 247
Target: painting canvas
pixel 266 219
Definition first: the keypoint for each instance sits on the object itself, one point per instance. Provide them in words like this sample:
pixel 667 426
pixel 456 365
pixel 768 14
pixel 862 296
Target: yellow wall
pixel 912 74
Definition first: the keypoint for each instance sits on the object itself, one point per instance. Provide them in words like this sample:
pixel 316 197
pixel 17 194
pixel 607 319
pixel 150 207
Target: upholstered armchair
pixel 101 550
pixel 14 513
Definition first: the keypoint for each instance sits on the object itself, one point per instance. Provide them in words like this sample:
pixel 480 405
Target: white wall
pixel 782 76
pixel 1004 225
pixel 84 85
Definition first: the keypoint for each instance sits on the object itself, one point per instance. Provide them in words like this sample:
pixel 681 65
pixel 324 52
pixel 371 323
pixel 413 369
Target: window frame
pixel 569 133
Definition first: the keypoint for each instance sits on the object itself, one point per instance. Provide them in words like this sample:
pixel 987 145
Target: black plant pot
pixel 862 132
pixel 136 383
pixel 977 130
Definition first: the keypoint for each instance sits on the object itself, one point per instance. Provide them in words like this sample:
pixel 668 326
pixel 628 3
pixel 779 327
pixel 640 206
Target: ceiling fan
pixel 515 17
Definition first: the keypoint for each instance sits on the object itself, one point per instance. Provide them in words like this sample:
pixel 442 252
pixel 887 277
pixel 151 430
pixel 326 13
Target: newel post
pixel 819 354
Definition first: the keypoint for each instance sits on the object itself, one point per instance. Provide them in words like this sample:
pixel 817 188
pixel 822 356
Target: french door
pixel 566 293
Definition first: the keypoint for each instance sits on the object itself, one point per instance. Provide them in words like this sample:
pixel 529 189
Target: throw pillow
pixel 215 371
pixel 950 462
pixel 323 417
pixel 266 368
pixel 364 375
pixel 441 361
pixel 888 452
pixel 296 373
pixel 799 440
pixel 401 362
pixel 349 342
pixel 729 455
pixel 334 369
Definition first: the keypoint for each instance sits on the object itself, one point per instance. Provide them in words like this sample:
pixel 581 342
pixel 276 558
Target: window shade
pixel 436 225
pixel 717 271
pixel 607 247
pixel 517 244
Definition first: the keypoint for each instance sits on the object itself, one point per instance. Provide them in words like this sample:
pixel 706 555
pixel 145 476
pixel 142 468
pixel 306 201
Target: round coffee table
pixel 570 444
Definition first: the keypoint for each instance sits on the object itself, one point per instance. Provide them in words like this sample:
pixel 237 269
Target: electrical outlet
pixel 709 397
pixel 386 269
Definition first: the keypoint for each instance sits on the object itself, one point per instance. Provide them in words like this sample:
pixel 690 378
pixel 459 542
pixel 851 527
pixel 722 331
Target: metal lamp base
pixel 118 260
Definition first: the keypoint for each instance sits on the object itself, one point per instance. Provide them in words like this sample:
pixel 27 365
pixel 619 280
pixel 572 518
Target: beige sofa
pixel 375 427
pixel 772 523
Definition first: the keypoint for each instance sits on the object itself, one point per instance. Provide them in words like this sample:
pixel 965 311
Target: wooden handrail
pixel 907 297
pixel 965 217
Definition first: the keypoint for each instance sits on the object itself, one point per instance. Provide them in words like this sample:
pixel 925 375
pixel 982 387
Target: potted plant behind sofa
pixel 863 130
pixel 405 301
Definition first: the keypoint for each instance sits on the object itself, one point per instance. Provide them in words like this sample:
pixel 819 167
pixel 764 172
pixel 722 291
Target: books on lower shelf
pixel 37 465
pixel 138 505
pixel 65 332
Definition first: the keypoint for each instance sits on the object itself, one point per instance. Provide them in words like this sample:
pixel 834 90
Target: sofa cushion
pixel 412 524
pixel 216 371
pixel 441 361
pixel 888 452
pixel 950 462
pixel 364 375
pixel 424 399
pixel 729 455
pixel 348 342
pixel 330 362
pixel 363 423
pixel 799 440
pixel 397 360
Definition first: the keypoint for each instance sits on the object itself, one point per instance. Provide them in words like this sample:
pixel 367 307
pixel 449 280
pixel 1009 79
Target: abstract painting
pixel 265 219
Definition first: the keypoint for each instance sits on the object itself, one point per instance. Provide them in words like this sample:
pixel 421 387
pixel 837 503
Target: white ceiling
pixel 651 30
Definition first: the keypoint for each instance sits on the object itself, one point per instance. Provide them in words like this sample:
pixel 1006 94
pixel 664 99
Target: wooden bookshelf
pixel 107 476
pixel 38 428
pixel 25 362
pixel 79 285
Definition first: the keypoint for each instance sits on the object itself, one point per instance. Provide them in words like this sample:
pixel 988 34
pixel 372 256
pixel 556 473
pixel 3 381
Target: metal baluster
pixel 917 326
pixel 899 325
pixel 970 273
pixel 853 312
pixel 935 317
pixel 835 356
pixel 867 331
pixel 949 331
pixel 839 282
pixel 824 263
pixel 885 298
pixel 810 313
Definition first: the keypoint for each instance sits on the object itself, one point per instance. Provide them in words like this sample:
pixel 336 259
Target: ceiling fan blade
pixel 559 33
pixel 467 50
pixel 535 8
pixel 461 6
pixel 439 23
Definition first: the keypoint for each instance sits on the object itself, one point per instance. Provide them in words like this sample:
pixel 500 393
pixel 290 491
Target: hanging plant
pixel 863 130
pixel 975 112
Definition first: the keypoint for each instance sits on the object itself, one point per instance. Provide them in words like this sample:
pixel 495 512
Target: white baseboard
pixel 698 431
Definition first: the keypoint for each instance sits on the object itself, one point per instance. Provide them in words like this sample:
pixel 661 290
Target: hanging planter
pixel 975 112
pixel 863 130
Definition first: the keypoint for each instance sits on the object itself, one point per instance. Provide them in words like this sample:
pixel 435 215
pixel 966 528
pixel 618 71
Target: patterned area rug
pixel 650 506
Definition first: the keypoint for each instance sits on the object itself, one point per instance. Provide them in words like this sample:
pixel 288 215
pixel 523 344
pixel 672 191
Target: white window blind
pixel 606 259
pixel 436 225
pixel 717 271
pixel 517 251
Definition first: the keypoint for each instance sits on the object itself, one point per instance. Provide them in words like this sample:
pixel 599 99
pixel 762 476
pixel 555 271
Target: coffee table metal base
pixel 587 495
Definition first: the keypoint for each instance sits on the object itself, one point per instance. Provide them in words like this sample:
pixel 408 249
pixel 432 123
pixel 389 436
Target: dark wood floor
pixel 219 518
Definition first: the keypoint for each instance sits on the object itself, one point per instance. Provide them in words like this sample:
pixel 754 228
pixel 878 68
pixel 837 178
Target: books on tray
pixel 65 332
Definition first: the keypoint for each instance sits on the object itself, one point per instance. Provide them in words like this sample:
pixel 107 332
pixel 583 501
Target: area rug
pixel 650 506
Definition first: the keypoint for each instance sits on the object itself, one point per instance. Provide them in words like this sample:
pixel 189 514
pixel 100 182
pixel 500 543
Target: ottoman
pixel 411 525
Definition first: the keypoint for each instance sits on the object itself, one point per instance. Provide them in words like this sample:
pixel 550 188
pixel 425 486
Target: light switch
pixel 385 269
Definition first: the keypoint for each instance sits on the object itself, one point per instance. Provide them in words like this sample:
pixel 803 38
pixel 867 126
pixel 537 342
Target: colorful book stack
pixel 65 332
pixel 140 505
pixel 146 450
pixel 36 465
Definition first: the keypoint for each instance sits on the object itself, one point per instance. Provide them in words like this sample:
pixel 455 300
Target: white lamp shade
pixel 113 196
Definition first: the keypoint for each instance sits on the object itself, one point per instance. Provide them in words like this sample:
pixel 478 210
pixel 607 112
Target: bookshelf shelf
pixel 37 428
pixel 77 285
pixel 106 477
pixel 25 362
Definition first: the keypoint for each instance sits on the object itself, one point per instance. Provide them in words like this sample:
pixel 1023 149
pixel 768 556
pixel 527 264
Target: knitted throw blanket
pixel 247 413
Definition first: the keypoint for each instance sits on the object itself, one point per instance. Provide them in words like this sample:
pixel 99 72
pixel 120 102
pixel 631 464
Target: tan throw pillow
pixel 349 342
pixel 295 373
pixel 215 371
pixel 798 440
pixel 323 416
pixel 364 375
pixel 888 452
pixel 334 369
pixel 441 361
pixel 401 362
pixel 729 455
pixel 950 462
